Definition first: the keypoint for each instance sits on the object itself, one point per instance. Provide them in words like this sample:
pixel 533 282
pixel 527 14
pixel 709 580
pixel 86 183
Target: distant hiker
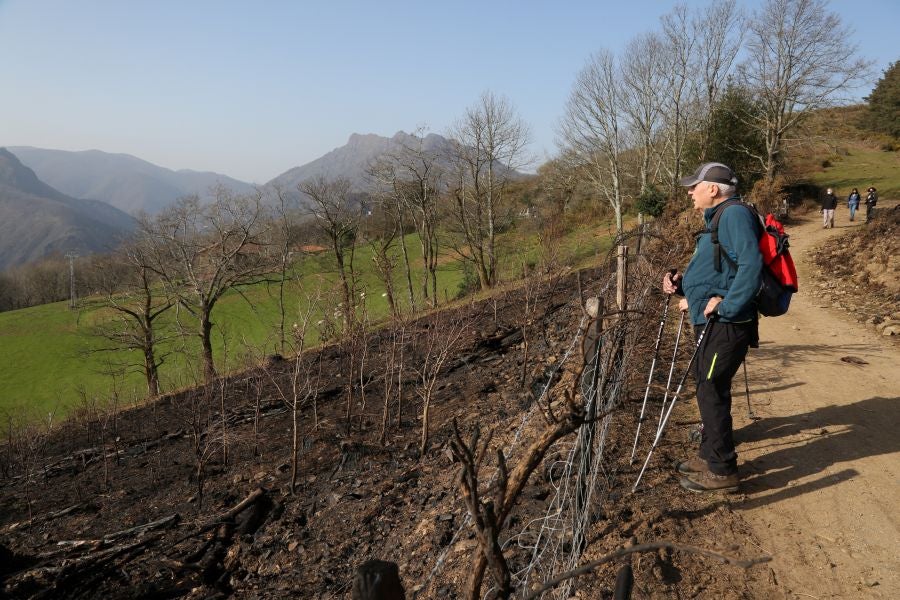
pixel 871 201
pixel 724 293
pixel 853 202
pixel 829 203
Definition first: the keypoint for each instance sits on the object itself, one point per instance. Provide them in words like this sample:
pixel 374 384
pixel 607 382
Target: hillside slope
pixel 37 220
pixel 121 180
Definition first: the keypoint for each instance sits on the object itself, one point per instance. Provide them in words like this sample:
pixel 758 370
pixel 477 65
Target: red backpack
pixel 778 282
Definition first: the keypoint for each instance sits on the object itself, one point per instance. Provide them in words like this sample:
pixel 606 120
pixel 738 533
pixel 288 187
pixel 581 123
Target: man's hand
pixel 670 283
pixel 683 305
pixel 712 306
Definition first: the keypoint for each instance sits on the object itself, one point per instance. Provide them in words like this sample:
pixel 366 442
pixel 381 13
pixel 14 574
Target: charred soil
pixel 143 503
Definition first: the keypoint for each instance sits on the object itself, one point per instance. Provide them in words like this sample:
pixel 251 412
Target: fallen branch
pixel 230 514
pixel 42 518
pixel 97 544
pixel 586 568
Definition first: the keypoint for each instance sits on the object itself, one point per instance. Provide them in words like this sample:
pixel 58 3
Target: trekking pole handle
pixel 671 273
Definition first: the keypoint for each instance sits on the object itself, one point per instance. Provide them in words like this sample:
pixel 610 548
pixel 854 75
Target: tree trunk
pixel 407 268
pixel 345 287
pixel 426 413
pixel 150 371
pixel 209 368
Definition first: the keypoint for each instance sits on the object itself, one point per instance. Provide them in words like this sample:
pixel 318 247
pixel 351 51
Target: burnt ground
pixel 69 500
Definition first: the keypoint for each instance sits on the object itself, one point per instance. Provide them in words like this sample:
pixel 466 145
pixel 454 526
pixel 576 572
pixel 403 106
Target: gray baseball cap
pixel 713 172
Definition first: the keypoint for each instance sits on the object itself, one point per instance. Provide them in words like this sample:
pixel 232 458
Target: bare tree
pixel 643 78
pixel 203 251
pixel 678 51
pixel 392 373
pixel 384 177
pixel 714 57
pixel 301 384
pixel 423 181
pixel 283 240
pixel 593 127
pixel 438 343
pixel 337 220
pixel 488 146
pixel 138 301
pixel 800 57
pixel 560 178
pixel 381 232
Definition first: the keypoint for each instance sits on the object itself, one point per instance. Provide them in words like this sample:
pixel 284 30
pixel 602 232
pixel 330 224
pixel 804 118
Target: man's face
pixel 703 194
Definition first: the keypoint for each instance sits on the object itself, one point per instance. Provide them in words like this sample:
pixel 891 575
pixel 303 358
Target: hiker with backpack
pixel 829 204
pixel 871 201
pixel 721 285
pixel 853 203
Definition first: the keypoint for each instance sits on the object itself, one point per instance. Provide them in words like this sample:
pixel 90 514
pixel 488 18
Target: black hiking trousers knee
pixel 721 354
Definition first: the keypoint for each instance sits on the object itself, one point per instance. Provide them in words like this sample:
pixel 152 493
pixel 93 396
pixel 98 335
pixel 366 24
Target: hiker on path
pixel 724 293
pixel 871 201
pixel 829 203
pixel 853 202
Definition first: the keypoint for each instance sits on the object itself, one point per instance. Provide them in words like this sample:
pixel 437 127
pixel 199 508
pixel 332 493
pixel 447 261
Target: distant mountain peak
pixel 351 160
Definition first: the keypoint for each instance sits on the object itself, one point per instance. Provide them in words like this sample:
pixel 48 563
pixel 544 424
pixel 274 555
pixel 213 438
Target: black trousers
pixel 721 354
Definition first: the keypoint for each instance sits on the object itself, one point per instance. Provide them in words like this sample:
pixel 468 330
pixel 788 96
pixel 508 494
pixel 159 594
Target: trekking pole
pixel 750 414
pixel 671 371
pixel 665 420
pixel 662 325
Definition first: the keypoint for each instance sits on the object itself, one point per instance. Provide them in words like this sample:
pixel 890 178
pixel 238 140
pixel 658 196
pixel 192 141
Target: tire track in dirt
pixel 821 466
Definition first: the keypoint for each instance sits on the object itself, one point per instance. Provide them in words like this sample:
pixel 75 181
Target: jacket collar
pixel 709 213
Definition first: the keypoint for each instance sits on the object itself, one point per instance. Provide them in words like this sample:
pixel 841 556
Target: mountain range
pixel 40 190
pixel 121 180
pixel 37 220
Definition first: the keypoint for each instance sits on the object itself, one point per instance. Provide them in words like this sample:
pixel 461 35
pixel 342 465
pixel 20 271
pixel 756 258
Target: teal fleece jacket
pixel 738 287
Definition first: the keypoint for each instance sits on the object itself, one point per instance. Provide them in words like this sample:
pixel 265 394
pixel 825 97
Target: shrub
pixel 769 196
pixel 469 283
pixel 651 202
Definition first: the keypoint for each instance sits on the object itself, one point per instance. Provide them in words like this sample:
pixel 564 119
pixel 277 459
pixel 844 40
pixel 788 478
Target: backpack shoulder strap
pixel 714 230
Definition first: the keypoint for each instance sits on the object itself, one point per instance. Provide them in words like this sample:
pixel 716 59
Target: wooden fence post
pixel 622 278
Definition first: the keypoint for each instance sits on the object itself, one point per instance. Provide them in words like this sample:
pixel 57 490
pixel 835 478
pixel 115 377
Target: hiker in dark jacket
pixel 725 294
pixel 829 204
pixel 871 201
pixel 853 202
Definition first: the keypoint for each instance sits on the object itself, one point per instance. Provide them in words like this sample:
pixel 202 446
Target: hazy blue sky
pixel 251 89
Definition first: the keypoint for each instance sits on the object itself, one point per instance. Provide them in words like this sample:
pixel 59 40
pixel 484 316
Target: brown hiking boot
pixel 707 481
pixel 691 465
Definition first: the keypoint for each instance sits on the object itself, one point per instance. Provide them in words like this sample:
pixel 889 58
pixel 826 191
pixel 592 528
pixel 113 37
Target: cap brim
pixel 689 181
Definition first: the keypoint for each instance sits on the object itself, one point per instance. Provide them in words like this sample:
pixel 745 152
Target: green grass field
pixel 860 168
pixel 843 156
pixel 46 363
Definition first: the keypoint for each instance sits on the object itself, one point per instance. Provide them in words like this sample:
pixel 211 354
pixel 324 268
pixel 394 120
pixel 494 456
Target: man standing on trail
pixel 871 201
pixel 724 292
pixel 829 204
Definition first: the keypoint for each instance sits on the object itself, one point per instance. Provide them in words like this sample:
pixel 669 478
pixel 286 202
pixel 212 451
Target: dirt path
pixel 821 466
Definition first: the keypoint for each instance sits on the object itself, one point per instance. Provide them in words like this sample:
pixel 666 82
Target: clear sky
pixel 251 89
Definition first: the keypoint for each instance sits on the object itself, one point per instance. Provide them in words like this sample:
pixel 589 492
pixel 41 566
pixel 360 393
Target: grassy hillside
pixel 46 363
pixel 838 154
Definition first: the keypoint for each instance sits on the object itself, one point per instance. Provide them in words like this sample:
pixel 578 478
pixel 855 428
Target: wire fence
pixel 578 473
